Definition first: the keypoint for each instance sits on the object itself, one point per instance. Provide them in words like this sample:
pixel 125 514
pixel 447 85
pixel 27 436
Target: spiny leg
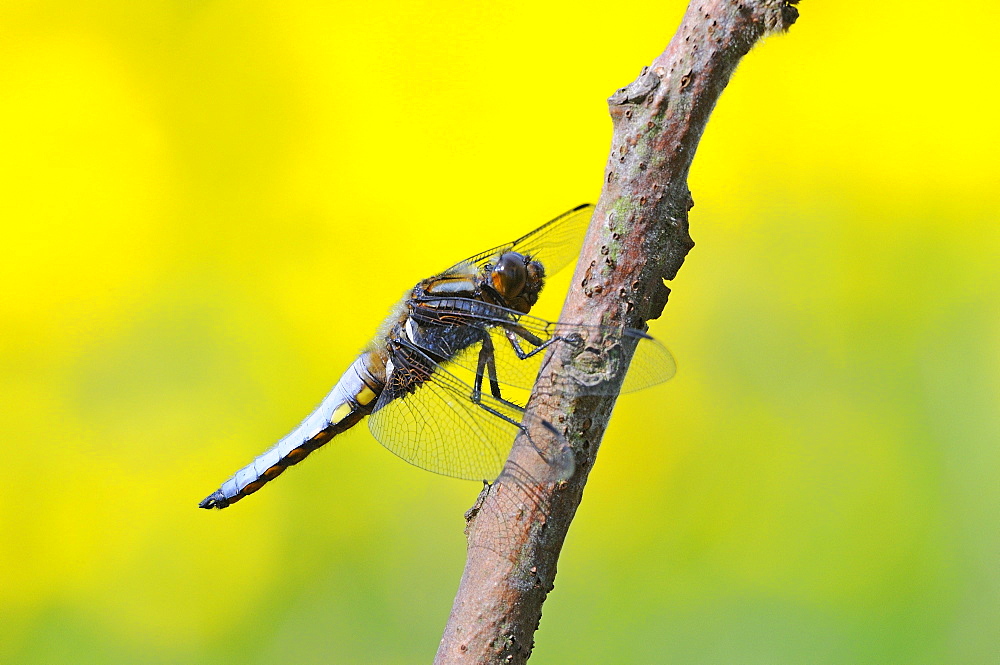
pixel 514 331
pixel 487 362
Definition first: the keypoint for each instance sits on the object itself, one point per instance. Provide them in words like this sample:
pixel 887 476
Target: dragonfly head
pixel 518 280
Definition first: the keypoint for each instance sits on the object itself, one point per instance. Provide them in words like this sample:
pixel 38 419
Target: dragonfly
pixel 446 377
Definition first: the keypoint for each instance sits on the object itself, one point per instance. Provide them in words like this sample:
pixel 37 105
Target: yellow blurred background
pixel 207 208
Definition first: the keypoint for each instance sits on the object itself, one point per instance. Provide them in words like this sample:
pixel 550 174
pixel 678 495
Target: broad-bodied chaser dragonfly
pixel 421 380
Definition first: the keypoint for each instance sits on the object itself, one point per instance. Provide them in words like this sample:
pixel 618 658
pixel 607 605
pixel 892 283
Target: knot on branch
pixel 637 91
pixel 774 15
pixel 785 16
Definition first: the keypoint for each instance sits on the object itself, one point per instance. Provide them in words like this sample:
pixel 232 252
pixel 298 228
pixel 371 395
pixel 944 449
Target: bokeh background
pixel 208 206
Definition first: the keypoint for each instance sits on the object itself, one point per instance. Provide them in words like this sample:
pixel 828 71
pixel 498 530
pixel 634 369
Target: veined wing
pixel 502 328
pixel 555 244
pixel 436 425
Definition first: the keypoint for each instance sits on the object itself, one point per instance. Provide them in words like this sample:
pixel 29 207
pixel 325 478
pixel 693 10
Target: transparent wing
pixel 555 244
pixel 436 425
pixel 511 335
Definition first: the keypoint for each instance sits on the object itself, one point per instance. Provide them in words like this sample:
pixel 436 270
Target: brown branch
pixel 638 238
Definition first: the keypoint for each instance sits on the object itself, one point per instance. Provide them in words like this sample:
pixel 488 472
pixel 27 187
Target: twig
pixel 637 239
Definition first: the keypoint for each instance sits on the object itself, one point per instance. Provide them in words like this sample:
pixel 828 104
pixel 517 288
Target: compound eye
pixel 509 276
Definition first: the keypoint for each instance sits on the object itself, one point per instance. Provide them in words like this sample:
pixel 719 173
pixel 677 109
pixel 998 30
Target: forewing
pixel 554 244
pixel 651 363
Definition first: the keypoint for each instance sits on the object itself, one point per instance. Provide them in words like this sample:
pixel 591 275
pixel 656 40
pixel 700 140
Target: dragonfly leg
pixel 562 460
pixel 500 414
pixel 514 332
pixel 487 361
pixel 491 365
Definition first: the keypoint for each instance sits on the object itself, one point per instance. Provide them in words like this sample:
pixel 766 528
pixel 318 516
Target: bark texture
pixel 638 238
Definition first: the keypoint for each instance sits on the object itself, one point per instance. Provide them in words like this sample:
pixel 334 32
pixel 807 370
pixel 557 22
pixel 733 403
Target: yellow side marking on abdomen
pixel 340 413
pixel 366 396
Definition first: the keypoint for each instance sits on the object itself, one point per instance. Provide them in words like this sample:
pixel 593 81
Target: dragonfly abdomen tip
pixel 214 500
